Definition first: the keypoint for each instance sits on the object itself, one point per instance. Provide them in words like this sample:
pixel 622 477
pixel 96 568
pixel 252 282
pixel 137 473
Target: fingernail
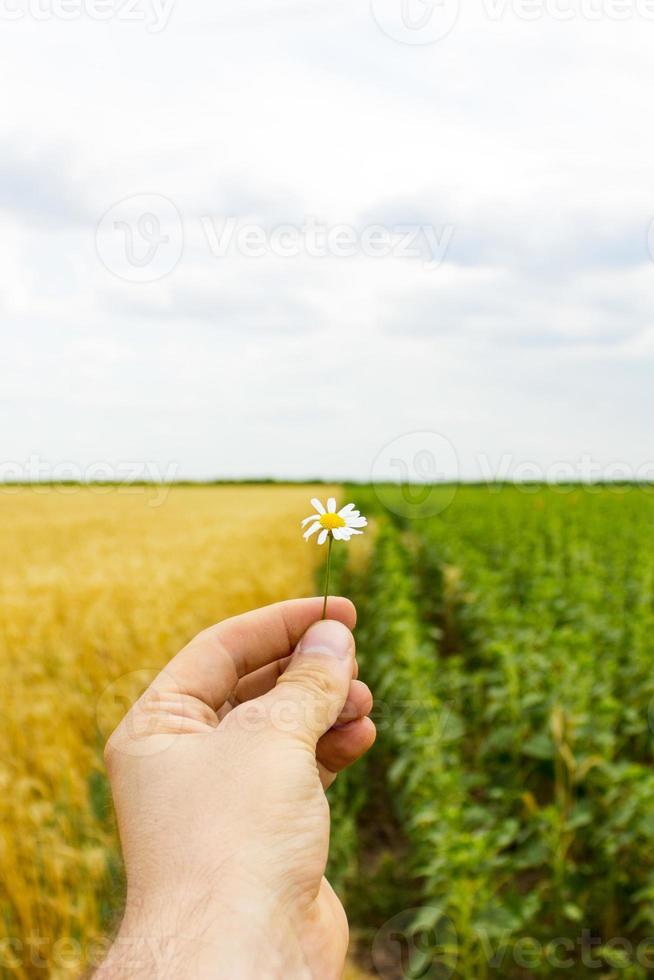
pixel 329 638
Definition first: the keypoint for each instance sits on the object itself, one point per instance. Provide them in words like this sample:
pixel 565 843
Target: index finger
pixel 211 665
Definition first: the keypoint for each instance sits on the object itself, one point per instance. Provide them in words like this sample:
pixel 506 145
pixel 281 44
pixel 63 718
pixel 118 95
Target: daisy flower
pixel 335 525
pixel 342 524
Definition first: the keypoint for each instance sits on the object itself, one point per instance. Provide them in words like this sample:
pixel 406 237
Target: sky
pixel 393 239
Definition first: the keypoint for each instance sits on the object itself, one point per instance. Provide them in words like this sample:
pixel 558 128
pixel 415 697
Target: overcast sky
pixel 279 238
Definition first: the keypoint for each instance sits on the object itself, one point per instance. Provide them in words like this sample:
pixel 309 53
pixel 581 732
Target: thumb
pixel 310 694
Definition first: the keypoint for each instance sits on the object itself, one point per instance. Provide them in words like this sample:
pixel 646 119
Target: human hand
pixel 219 774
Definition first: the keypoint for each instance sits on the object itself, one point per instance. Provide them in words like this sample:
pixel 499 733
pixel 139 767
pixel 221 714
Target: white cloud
pixel 530 140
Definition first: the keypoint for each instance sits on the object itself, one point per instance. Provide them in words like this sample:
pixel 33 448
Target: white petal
pixel 353 530
pixel 314 517
pixel 356 521
pixel 322 537
pixel 331 505
pixel 339 533
pixel 343 511
pixel 316 503
pixel 312 530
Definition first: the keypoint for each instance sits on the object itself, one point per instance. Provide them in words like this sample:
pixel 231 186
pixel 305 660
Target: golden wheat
pixel 99 587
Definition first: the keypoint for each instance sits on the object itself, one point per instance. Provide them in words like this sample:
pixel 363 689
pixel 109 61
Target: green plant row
pixel 509 642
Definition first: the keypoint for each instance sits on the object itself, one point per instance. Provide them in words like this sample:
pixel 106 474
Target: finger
pixel 314 687
pixel 261 681
pixel 340 747
pixel 358 704
pixel 211 665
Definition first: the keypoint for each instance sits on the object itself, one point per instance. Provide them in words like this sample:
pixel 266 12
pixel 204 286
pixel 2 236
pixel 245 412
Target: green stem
pixel 329 562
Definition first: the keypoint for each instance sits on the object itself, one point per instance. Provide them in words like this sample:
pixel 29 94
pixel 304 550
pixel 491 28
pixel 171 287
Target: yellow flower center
pixel 330 521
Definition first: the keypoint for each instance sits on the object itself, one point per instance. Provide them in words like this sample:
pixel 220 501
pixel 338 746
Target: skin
pixel 219 774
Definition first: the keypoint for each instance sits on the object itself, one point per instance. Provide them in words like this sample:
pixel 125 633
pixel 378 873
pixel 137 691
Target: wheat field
pixel 99 588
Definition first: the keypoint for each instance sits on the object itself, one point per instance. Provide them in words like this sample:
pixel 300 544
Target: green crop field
pixel 504 823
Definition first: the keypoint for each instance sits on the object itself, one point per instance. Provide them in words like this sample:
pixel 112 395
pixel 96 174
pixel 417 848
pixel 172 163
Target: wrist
pixel 195 933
